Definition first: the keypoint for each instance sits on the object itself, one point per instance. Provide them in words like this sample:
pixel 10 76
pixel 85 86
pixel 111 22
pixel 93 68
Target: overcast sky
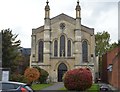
pixel 21 16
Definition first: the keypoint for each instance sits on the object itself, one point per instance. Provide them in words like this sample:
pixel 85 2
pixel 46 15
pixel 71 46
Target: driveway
pixel 55 86
pixel 110 88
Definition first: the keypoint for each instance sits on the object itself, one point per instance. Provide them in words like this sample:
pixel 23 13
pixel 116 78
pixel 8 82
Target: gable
pixel 63 17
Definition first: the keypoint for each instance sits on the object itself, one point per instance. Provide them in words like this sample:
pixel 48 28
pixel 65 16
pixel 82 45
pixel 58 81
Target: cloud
pixel 23 15
pixel 102 16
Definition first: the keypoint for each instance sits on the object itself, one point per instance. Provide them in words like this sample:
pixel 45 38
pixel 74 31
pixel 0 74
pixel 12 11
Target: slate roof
pixel 25 51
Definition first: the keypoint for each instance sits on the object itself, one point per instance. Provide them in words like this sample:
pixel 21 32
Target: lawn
pixel 40 86
pixel 94 87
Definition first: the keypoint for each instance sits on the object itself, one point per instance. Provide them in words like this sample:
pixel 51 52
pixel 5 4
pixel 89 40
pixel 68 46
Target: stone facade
pixel 69 55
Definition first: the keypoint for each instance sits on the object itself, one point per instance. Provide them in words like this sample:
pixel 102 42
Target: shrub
pixel 43 75
pixel 31 74
pixel 78 79
pixel 18 78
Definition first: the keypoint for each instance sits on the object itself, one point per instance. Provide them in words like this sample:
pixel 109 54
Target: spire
pixel 47 10
pixel 78 1
pixel 78 10
pixel 47 2
pixel 78 6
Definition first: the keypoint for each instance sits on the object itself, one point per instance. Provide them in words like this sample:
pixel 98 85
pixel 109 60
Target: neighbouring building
pixel 24 59
pixel 62 44
pixel 111 67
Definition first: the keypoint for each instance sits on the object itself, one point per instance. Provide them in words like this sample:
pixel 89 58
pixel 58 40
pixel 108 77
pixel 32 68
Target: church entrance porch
pixel 62 68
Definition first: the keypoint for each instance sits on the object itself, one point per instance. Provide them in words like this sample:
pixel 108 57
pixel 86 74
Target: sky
pixel 21 16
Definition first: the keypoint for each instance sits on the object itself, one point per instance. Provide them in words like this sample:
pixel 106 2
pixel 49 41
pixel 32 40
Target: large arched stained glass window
pixel 40 51
pixel 69 48
pixel 62 45
pixel 55 48
pixel 84 51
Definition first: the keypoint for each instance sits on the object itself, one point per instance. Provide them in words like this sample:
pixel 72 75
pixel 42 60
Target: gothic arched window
pixel 40 51
pixel 69 48
pixel 84 51
pixel 55 48
pixel 62 45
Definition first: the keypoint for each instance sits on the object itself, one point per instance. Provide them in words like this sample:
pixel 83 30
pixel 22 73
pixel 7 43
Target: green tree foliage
pixel 43 75
pixel 9 49
pixel 113 45
pixel 102 40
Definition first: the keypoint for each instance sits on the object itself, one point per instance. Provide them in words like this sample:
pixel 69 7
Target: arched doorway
pixel 62 68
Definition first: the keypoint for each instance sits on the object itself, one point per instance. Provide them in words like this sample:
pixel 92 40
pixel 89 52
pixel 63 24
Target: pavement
pixel 55 86
pixel 110 87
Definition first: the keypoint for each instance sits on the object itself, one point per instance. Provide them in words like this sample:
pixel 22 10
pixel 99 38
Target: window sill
pixel 62 57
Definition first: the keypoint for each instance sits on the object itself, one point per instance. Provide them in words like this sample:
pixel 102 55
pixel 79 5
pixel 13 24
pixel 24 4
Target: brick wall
pixel 104 77
pixel 112 77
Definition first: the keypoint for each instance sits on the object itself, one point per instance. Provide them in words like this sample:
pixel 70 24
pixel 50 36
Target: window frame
pixel 85 51
pixel 40 51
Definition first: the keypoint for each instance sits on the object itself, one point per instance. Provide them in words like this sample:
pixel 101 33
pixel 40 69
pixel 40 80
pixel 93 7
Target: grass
pixel 63 88
pixel 94 87
pixel 40 86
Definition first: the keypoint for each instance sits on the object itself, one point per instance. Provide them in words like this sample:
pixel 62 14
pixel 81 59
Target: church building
pixel 62 44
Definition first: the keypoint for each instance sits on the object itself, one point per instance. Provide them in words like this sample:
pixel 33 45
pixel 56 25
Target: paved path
pixel 55 86
pixel 111 88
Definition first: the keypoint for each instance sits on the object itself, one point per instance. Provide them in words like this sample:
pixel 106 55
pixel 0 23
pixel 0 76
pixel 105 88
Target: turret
pixel 78 35
pixel 78 10
pixel 47 28
pixel 47 10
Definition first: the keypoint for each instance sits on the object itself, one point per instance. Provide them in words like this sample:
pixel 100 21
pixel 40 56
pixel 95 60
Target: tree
pixel 31 74
pixel 9 49
pixel 113 45
pixel 102 40
pixel 43 75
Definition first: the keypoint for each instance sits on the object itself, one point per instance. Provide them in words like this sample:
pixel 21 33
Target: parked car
pixel 104 88
pixel 9 86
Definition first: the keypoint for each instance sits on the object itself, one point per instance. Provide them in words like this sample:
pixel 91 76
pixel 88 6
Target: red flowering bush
pixel 78 79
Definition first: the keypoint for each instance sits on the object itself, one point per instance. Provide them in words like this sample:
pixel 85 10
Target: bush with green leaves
pixel 78 79
pixel 43 75
pixel 18 78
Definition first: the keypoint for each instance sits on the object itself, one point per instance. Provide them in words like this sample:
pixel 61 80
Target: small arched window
pixel 84 51
pixel 40 51
pixel 69 48
pixel 55 48
pixel 62 45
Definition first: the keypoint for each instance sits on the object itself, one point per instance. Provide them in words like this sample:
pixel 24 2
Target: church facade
pixel 62 44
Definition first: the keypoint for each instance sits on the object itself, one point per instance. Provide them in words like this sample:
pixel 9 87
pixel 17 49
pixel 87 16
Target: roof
pixel 62 16
pixel 25 51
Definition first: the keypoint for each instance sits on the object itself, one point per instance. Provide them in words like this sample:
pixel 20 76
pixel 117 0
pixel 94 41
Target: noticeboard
pixel 5 75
